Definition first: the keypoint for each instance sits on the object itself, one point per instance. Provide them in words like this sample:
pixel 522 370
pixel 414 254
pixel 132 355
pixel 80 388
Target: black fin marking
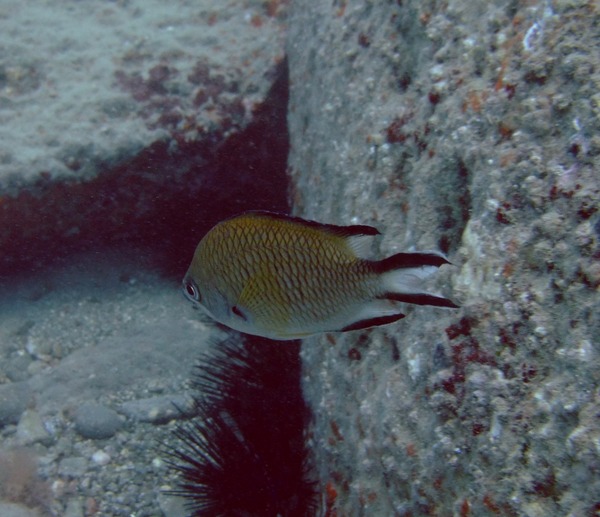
pixel 407 260
pixel 420 299
pixel 373 322
pixel 341 231
pixel 238 312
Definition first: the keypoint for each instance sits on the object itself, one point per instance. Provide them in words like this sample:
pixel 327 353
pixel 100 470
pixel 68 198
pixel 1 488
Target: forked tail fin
pixel 402 275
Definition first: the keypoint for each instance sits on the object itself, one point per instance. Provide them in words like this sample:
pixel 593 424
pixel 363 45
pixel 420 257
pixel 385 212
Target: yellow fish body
pixel 282 277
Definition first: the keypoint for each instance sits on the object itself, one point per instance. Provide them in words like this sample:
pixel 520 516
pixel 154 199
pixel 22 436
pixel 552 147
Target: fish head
pixel 205 296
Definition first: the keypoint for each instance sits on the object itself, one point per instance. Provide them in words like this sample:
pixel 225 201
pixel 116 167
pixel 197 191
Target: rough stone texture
pixel 122 120
pixel 470 127
pixel 84 87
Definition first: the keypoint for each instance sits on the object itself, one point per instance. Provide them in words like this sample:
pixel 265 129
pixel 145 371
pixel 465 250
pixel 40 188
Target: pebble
pixel 14 399
pixel 157 410
pixel 171 505
pixel 17 510
pixel 16 368
pixel 31 429
pixel 101 458
pixel 74 508
pixel 73 467
pixel 95 421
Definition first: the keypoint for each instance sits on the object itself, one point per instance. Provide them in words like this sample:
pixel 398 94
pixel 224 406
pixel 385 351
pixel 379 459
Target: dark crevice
pixel 455 207
pixel 161 201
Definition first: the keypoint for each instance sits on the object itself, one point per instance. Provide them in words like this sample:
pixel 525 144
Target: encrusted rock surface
pixel 470 128
pixel 83 87
pixel 115 113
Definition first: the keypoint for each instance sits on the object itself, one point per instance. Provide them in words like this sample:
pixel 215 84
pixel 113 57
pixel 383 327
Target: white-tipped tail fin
pixel 402 275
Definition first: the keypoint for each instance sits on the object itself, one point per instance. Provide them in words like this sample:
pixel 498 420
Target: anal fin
pixel 421 299
pixel 372 322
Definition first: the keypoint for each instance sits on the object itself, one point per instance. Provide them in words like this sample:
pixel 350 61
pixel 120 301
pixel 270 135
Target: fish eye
pixel 192 291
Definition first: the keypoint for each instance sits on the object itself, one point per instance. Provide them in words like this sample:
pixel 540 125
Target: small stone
pixel 17 510
pixel 58 488
pixel 73 467
pixel 172 505
pixel 16 368
pixel 74 508
pixel 31 429
pixel 101 458
pixel 157 410
pixel 96 421
pixel 36 367
pixel 14 399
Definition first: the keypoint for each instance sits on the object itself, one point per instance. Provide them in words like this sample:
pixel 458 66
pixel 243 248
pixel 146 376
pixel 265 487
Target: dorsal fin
pixel 340 231
pixel 358 236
